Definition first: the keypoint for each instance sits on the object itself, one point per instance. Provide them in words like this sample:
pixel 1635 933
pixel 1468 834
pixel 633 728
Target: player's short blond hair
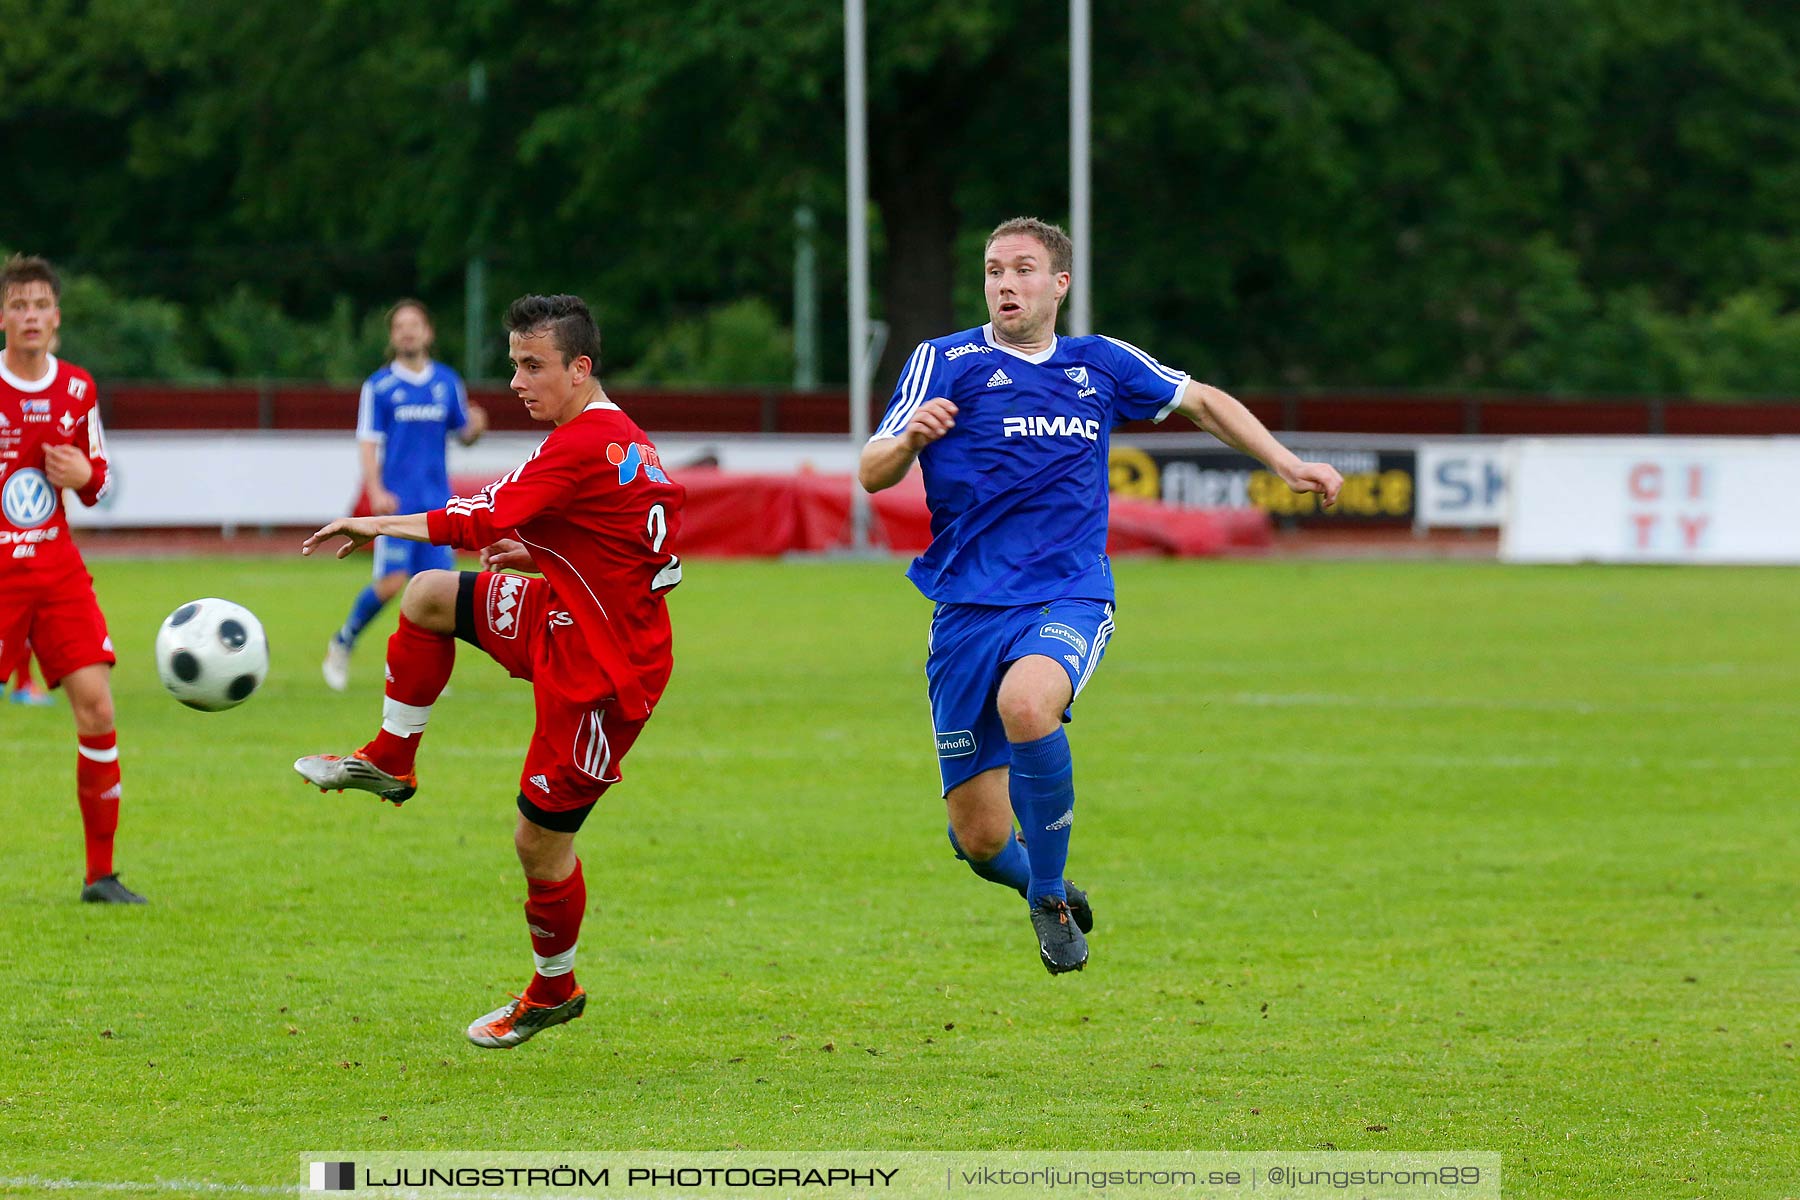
pixel 1052 237
pixel 28 268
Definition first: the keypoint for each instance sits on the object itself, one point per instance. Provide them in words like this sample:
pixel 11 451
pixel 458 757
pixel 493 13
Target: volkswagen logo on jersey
pixel 28 499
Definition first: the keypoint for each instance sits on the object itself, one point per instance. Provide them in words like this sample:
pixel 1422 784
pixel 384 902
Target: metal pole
pixel 806 302
pixel 475 274
pixel 1081 231
pixel 474 305
pixel 856 122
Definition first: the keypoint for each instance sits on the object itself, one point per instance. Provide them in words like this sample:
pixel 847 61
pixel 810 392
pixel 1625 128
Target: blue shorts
pixel 971 646
pixel 397 556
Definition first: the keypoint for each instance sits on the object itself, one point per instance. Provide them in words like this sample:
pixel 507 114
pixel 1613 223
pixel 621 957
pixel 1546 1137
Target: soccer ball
pixel 211 654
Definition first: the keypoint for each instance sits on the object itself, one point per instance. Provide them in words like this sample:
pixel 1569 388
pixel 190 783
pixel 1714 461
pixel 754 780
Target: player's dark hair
pixel 401 305
pixel 29 268
pixel 1054 239
pixel 570 324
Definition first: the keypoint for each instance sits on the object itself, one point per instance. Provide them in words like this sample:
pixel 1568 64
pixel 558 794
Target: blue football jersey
pixel 410 414
pixel 1018 489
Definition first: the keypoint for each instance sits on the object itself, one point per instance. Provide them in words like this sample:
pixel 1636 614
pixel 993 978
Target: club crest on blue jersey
pixel 630 459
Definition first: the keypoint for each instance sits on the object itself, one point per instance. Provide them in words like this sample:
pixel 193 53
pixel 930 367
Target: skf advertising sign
pixel 1651 500
pixel 1378 484
pixel 1462 484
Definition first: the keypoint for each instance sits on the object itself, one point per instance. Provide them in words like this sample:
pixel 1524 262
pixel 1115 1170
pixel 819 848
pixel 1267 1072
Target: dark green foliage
pixel 1571 195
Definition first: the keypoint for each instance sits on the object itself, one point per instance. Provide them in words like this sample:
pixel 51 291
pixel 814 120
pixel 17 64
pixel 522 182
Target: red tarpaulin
pixel 729 514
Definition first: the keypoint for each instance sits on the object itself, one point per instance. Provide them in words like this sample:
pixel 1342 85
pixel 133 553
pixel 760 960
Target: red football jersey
pixel 600 517
pixel 61 408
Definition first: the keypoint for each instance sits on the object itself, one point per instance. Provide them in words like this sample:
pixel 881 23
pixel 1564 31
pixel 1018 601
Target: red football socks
pixel 418 667
pixel 97 790
pixel 553 913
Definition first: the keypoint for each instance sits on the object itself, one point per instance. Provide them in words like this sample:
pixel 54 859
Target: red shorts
pixel 578 748
pixel 60 623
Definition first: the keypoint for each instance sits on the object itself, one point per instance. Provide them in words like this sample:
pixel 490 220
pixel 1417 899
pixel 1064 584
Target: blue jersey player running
pixel 408 409
pixel 1010 424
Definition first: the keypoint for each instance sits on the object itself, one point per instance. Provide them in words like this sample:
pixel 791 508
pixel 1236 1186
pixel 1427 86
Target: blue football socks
pixel 1009 867
pixel 1043 798
pixel 363 611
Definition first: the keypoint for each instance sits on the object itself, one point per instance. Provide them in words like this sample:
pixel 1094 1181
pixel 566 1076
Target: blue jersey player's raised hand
pixel 1010 425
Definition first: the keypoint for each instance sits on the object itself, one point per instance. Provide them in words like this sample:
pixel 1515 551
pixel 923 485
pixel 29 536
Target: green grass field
pixel 1397 856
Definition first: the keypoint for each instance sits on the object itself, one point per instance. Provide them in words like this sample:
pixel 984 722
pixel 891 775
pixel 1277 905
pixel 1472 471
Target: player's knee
pixel 978 841
pixel 1028 713
pixel 430 600
pixel 93 711
pixel 542 853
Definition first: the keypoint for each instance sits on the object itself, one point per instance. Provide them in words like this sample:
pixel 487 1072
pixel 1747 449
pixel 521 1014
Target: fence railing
pixel 279 405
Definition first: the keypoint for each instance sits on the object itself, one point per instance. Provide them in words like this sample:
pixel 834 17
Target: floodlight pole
pixel 806 302
pixel 475 317
pixel 856 139
pixel 1081 311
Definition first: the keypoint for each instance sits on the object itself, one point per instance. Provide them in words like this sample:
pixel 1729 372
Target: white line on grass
pixel 1485 704
pixel 1500 762
pixel 38 1183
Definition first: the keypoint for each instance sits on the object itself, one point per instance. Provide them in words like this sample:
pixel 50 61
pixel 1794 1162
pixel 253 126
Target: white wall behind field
pixel 299 478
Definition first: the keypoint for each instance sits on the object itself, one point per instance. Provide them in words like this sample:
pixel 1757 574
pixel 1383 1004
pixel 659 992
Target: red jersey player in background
pixel 50 439
pixel 593 511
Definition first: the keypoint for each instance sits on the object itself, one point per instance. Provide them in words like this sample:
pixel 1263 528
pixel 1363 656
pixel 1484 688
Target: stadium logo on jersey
pixel 503 602
pixel 630 458
pixel 999 379
pixel 1050 427
pixel 957 352
pixel 28 499
pixel 959 744
pixel 1064 633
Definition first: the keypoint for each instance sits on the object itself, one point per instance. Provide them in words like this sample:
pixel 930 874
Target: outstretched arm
pixel 1222 415
pixel 885 461
pixel 358 532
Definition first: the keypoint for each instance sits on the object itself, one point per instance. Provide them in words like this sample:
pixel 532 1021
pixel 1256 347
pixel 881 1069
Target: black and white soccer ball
pixel 212 654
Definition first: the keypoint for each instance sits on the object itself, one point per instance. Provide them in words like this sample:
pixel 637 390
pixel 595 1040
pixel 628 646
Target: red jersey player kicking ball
pixel 594 513
pixel 50 439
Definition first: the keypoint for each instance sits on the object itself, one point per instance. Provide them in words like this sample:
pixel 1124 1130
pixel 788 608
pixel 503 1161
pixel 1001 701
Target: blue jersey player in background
pixel 1010 424
pixel 408 410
